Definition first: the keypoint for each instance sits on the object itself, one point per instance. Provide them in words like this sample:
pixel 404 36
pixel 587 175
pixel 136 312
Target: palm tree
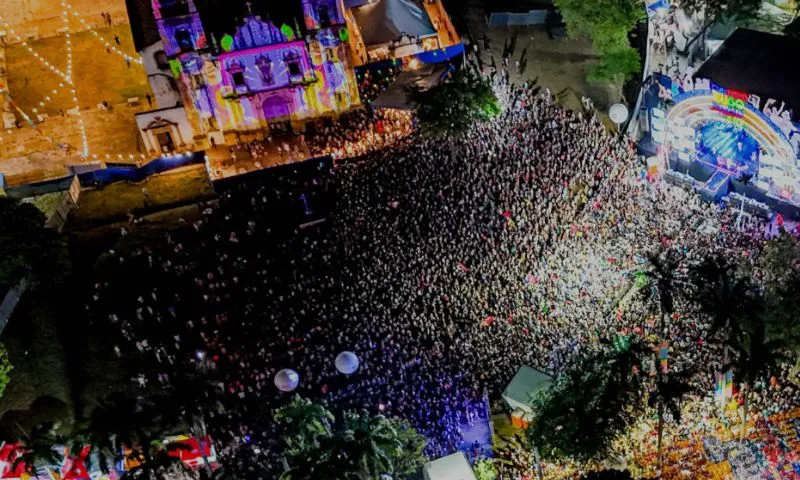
pixel 662 275
pixel 368 443
pixel 729 300
pixel 302 422
pixel 756 357
pixel 667 396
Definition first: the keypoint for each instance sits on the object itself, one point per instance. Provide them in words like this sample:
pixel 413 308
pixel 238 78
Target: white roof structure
pixel 451 467
pixel 384 21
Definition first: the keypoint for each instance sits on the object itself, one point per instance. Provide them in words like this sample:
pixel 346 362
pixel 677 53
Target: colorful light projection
pixel 728 102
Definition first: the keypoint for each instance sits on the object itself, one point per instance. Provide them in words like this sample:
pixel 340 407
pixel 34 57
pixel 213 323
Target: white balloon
pixel 286 380
pixel 347 362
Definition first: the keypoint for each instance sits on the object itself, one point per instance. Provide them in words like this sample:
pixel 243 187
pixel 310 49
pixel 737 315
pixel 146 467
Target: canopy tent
pixel 451 467
pixel 527 382
pixel 396 96
pixel 384 21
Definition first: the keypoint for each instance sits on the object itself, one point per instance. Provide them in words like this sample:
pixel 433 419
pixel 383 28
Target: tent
pixel 527 382
pixel 396 96
pixel 384 21
pixel 451 467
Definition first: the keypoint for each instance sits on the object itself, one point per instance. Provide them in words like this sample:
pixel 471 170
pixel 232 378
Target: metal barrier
pixel 510 19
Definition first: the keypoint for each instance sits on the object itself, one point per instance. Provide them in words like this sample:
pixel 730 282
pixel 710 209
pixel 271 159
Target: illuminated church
pixel 220 69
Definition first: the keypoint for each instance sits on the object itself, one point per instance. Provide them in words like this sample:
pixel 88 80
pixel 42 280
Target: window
pixel 330 55
pixel 161 60
pixel 198 80
pixel 238 79
pixel 341 98
pixel 264 65
pixel 184 40
pixel 324 16
pixel 294 68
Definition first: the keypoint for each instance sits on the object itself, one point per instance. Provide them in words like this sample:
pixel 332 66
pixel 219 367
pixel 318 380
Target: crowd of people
pixel 443 263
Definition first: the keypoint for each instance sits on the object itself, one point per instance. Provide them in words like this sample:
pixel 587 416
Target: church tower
pixel 179 26
pixel 328 44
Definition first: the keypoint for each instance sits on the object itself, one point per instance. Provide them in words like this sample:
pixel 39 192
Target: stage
pixel 725 143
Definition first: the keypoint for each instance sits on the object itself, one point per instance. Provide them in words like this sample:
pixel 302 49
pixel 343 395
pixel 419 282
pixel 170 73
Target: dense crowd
pixel 444 264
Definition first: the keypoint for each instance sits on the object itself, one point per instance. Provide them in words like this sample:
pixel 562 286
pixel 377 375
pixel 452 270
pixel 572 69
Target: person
pixel 444 263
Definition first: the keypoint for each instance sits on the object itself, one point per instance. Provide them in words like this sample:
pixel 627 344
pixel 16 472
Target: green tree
pixel 369 443
pixel 485 469
pixel 607 23
pixel 732 10
pixel 363 448
pixel 302 422
pixel 615 66
pixel 667 397
pixel 28 249
pixel 5 369
pixel 589 404
pixel 455 104
pixel 411 453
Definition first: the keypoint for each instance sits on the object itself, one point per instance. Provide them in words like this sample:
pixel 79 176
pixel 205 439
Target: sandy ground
pixel 560 65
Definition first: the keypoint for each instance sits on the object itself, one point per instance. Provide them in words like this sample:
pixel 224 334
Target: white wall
pixel 161 81
pixel 183 137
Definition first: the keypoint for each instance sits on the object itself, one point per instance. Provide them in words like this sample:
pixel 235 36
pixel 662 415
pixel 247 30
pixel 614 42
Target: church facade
pixel 260 78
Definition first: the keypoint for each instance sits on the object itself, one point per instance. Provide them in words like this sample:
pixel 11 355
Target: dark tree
pixel 589 404
pixel 455 104
pixel 28 249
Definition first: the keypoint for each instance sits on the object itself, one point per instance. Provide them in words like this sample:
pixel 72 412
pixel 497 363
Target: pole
pixel 538 462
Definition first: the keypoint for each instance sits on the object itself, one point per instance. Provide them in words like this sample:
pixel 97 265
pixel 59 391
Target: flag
pixel 463 267
pixel 487 321
pixel 663 356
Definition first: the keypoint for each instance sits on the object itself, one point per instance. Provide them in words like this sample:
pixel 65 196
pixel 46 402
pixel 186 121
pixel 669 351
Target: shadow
pixel 44 409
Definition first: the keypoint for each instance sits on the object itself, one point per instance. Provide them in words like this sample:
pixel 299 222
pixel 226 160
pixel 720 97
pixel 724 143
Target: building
pixel 216 78
pixel 398 29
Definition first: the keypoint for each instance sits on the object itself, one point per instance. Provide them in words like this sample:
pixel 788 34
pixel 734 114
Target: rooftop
pixel 757 63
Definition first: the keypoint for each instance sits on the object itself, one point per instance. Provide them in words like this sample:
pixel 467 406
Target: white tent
pixel 451 467
pixel 527 382
pixel 384 21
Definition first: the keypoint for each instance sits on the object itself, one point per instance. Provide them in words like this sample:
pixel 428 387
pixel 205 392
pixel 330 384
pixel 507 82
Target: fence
pixel 10 302
pixel 509 19
pixel 95 174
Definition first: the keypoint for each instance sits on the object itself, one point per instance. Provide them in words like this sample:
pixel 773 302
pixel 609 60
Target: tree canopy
pixel 455 104
pixel 5 369
pixel 28 250
pixel 360 447
pixel 589 404
pixel 607 23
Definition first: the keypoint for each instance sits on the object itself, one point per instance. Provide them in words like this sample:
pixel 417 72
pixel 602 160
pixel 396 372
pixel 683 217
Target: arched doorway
pixel 277 112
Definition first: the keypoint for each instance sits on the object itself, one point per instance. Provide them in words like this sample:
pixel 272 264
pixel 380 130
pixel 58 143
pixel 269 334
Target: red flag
pixel 463 267
pixel 507 214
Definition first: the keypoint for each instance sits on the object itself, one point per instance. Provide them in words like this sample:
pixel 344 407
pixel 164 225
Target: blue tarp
pixel 114 172
pixel 438 56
